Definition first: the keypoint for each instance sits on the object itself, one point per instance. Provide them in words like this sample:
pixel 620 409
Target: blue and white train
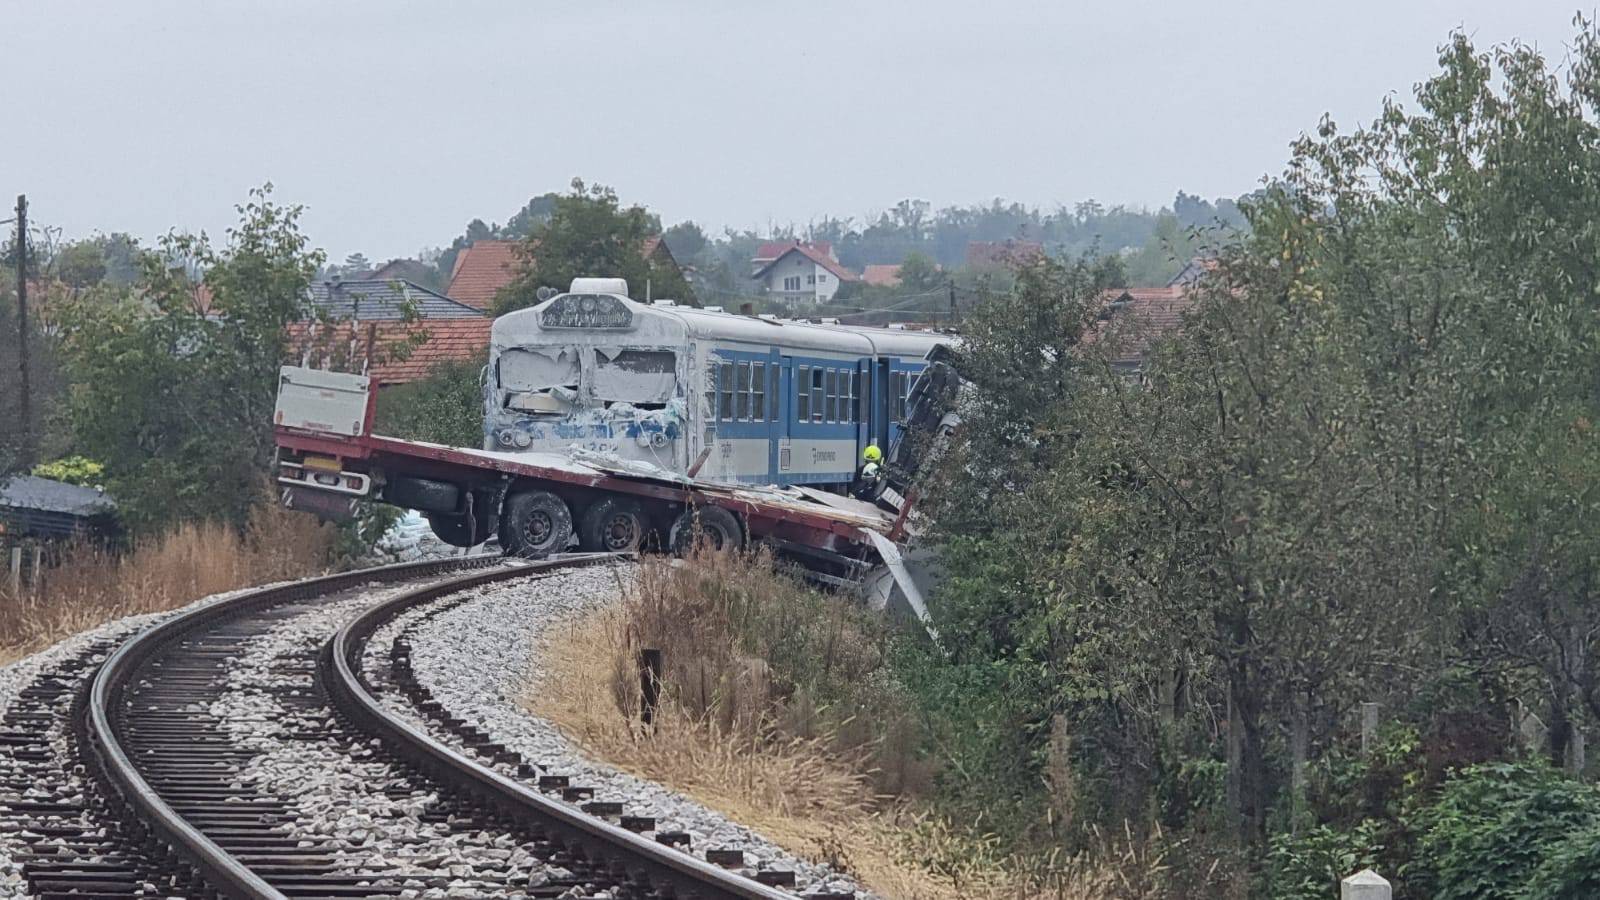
pixel 674 390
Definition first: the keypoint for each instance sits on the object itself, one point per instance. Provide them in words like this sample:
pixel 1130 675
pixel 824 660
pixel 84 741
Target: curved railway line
pixel 122 775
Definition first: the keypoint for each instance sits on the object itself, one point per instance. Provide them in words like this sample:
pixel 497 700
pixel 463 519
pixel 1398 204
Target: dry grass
pixel 747 655
pixel 87 585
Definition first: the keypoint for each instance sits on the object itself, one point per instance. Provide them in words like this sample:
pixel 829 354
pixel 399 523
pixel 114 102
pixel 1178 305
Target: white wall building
pixel 801 273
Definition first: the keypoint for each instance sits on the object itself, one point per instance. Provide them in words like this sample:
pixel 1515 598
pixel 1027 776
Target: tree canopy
pixel 590 233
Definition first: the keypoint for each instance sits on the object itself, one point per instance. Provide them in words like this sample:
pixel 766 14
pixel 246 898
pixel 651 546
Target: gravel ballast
pixel 479 655
pixel 17 676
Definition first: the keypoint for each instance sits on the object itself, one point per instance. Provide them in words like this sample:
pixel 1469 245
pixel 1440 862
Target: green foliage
pixel 590 233
pixel 1570 870
pixel 444 408
pixel 176 397
pixel 77 470
pixel 1363 469
pixel 919 273
pixel 1309 865
pixel 1494 826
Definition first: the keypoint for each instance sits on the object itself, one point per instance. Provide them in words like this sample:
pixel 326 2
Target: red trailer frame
pixel 767 513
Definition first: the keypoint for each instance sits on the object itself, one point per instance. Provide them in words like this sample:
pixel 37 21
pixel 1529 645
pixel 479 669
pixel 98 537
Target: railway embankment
pixel 780 709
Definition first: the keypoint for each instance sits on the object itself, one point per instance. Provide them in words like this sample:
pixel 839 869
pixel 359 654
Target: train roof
pixel 662 321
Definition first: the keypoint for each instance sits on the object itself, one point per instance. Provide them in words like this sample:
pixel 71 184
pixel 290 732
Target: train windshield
pixel 558 380
pixel 640 377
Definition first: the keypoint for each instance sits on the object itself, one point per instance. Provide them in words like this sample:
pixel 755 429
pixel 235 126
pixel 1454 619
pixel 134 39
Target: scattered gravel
pixel 18 675
pixel 476 658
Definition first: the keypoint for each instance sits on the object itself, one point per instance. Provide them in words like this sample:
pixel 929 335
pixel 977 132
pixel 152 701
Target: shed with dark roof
pixel 34 507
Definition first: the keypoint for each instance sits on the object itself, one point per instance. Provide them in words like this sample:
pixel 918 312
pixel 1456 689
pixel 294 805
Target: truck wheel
pixel 453 530
pixel 712 526
pixel 535 524
pixel 613 525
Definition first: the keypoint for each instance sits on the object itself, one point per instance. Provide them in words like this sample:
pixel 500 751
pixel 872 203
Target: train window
pixel 803 395
pixel 841 403
pixel 855 398
pixel 816 395
pixel 899 395
pixel 758 391
pixel 725 407
pixel 830 395
pixel 741 391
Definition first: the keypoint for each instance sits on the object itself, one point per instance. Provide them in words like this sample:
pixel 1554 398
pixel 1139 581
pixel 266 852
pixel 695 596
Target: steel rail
pixel 671 872
pixel 106 709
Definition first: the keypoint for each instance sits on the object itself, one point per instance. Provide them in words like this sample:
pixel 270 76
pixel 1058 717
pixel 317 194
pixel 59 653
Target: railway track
pixel 137 770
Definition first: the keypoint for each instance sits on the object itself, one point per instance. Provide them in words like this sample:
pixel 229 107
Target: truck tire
pixel 453 530
pixel 712 526
pixel 424 494
pixel 613 525
pixel 535 524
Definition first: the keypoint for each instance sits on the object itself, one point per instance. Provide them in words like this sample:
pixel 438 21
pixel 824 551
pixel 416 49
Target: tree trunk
pixel 1246 763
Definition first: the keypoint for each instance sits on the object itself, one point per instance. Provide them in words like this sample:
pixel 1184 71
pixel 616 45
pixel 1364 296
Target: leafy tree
pixel 590 233
pixel 355 264
pixel 920 274
pixel 1361 470
pixel 177 399
pixel 446 407
pixel 685 240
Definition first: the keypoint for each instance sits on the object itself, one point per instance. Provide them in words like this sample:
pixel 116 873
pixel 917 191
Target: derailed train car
pixel 699 393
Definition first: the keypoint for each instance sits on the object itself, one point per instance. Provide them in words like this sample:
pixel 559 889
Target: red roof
pixel 882 276
pixel 771 250
pixel 481 270
pixel 809 252
pixel 447 340
pixel 1142 316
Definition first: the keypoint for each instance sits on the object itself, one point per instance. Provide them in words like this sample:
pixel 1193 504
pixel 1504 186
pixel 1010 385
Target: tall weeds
pixel 779 708
pixel 85 585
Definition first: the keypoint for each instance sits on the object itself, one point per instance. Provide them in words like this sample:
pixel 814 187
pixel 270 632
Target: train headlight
pixel 505 437
pixel 523 440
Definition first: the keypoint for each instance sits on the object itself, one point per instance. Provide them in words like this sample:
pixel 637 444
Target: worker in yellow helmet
pixel 871 470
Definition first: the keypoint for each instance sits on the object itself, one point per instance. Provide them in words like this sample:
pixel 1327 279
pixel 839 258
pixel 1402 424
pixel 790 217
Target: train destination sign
pixel 586 311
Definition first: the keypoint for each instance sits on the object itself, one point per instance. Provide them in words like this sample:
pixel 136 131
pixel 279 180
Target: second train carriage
pixel 682 391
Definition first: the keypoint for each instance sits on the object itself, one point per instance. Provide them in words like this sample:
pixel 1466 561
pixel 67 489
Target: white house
pixel 799 272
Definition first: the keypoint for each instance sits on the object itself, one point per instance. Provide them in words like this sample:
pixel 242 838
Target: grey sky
pixel 396 123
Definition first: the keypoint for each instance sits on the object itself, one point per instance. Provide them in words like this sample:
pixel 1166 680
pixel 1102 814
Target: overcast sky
pixel 395 123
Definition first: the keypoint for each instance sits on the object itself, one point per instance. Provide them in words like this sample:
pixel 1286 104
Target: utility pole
pixel 25 450
pixel 952 284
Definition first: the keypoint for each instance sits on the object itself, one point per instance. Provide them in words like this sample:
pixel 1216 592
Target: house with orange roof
pixel 799 272
pixel 881 275
pixel 483 268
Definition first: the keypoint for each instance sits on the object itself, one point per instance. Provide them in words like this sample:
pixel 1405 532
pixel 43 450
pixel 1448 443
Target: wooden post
pixel 1369 727
pixel 16 573
pixel 24 407
pixel 1365 885
pixel 37 578
pixel 649 685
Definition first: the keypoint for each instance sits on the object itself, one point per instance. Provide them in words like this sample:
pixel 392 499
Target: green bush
pixel 1309 865
pixel 1494 826
pixel 77 470
pixel 1571 870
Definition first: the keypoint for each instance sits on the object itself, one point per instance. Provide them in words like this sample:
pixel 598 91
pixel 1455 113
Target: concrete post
pixel 1365 885
pixel 1369 727
pixel 16 573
